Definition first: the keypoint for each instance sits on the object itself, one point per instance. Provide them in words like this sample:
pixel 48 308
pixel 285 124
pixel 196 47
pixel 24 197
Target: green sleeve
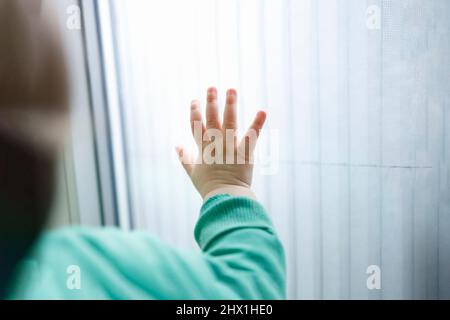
pixel 241 258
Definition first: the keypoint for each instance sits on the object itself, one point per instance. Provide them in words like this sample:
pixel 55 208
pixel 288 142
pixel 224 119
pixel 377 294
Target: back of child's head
pixel 33 86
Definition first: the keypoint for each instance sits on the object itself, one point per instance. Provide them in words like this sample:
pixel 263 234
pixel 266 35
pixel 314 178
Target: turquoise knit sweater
pixel 241 257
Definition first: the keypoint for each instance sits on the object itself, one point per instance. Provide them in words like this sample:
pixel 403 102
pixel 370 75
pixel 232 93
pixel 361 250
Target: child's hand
pixel 224 165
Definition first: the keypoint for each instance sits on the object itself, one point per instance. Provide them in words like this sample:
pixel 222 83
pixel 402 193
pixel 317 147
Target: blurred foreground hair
pixel 33 81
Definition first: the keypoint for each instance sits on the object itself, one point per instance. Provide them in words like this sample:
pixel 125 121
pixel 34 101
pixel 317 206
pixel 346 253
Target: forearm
pixel 238 240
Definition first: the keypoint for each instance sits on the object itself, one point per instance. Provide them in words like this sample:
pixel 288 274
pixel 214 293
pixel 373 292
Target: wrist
pixel 232 190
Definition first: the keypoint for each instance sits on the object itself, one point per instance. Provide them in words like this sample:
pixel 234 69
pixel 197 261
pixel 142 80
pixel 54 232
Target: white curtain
pixel 357 94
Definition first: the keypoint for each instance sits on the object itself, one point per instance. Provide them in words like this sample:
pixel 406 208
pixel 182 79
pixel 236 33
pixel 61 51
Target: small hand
pixel 224 164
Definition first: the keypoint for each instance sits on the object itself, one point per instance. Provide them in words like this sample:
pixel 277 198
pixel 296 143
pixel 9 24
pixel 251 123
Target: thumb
pixel 185 160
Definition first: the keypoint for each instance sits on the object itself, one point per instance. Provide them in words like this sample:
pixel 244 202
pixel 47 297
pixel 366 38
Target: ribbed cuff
pixel 223 213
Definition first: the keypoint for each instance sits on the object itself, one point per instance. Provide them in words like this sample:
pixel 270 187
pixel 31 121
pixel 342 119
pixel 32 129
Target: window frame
pixel 106 112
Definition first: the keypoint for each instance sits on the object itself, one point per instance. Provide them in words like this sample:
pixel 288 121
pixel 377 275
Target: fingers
pixel 197 125
pixel 230 116
pixel 196 115
pixel 212 110
pixel 258 123
pixel 248 143
pixel 185 160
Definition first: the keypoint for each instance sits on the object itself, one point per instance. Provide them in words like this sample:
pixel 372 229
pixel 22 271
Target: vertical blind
pixel 358 98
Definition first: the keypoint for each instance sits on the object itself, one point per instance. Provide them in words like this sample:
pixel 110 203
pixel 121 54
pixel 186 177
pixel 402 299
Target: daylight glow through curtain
pixel 358 92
